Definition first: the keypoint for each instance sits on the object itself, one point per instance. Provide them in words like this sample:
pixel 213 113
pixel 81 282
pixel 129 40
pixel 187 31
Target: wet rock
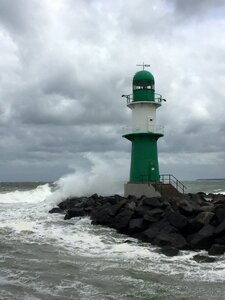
pixel 56 210
pixel 128 241
pixel 131 197
pixel 122 219
pixel 207 207
pixel 153 202
pixel 153 215
pixel 169 251
pixel 113 209
pixel 140 211
pixel 131 205
pixel 220 240
pixel 203 218
pixel 190 207
pixel 68 203
pixel 172 239
pixel 94 196
pixel 101 214
pixel 74 212
pixel 136 225
pixel 177 220
pixel 186 208
pixel 203 258
pixel 203 238
pixel 220 213
pixel 218 199
pixel 216 249
pixel 187 222
pixel 149 234
pixel 220 230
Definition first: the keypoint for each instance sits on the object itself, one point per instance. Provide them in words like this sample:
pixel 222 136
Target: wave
pixel 31 196
pixel 24 219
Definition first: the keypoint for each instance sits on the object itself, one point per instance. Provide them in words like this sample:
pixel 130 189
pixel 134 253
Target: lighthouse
pixel 143 135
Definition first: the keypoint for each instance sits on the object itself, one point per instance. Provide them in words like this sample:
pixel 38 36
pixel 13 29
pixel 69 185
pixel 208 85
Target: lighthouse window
pixel 142 87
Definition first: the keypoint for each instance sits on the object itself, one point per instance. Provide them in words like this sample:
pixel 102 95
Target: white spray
pixel 105 177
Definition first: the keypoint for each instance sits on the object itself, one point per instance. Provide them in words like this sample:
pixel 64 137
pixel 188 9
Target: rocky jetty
pixel 191 221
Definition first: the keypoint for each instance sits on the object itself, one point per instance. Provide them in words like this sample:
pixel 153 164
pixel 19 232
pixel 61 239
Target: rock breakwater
pixel 191 221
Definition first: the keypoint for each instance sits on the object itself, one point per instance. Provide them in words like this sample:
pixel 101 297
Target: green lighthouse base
pixel 140 189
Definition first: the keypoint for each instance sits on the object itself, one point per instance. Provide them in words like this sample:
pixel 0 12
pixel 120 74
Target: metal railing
pixel 170 179
pixel 158 98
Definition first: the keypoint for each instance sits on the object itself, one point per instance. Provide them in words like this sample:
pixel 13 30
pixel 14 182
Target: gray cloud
pixel 65 64
pixel 193 7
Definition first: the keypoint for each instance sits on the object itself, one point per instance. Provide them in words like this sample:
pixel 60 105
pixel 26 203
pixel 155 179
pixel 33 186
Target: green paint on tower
pixel 144 157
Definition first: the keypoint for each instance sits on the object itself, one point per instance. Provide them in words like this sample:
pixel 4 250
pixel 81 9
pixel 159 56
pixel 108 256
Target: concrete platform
pixel 140 189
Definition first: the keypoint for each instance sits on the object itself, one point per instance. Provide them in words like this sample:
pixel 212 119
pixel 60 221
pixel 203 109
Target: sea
pixel 43 256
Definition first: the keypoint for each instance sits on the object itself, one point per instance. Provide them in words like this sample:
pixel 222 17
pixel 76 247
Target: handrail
pixel 169 178
pixel 158 98
pixel 166 179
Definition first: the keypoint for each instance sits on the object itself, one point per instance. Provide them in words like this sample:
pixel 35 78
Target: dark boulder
pixel 171 239
pixel 198 198
pixel 220 240
pixel 72 202
pixel 101 214
pixel 131 205
pixel 173 203
pixel 169 251
pixel 202 219
pixel 141 210
pixel 153 202
pixel 220 213
pixel 153 215
pixel 207 208
pixel 218 199
pixel 132 198
pixel 177 220
pixel 114 199
pixel 56 210
pixel 113 209
pixel 149 234
pixel 68 203
pixel 203 258
pixel 94 196
pixel 220 229
pixel 122 219
pixel 136 225
pixel 202 239
pixel 188 207
pixel 216 249
pixel 74 212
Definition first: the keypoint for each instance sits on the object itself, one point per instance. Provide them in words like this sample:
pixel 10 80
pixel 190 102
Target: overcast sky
pixel 64 65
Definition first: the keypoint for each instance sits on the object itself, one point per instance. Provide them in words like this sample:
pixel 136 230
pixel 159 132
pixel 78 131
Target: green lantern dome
pixel 143 86
pixel 143 77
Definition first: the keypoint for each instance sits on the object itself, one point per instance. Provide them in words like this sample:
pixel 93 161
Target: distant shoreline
pixel 210 179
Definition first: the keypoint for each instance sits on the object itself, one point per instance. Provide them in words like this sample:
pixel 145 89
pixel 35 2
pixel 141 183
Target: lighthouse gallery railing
pixel 158 98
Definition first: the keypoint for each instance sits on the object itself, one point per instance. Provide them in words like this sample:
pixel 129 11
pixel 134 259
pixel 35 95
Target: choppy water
pixel 44 257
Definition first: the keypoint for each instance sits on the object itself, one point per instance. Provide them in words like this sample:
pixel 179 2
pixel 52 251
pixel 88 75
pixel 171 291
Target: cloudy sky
pixel 64 65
